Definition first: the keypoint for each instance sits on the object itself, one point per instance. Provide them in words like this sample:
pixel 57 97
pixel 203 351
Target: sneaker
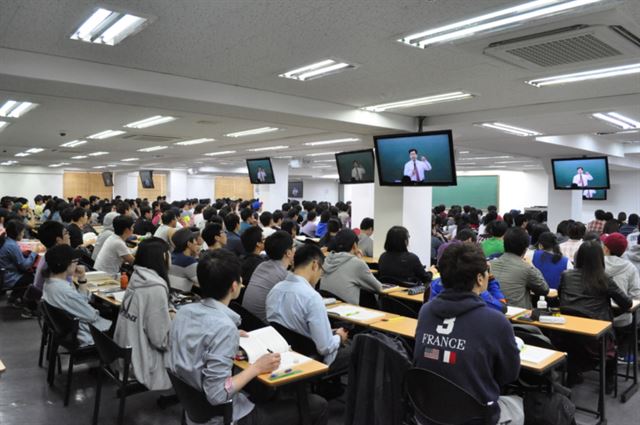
pixel 28 314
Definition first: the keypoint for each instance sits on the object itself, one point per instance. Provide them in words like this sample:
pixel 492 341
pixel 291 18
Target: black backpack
pixel 548 409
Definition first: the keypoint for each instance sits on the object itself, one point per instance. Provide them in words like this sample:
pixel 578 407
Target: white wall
pixel 200 186
pixel 177 185
pixel 30 181
pixel 361 197
pixel 624 195
pixel 320 190
pixel 125 185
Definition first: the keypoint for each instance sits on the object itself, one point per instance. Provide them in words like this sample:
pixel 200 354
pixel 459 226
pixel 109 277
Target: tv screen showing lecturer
pixel 416 168
pixel 585 174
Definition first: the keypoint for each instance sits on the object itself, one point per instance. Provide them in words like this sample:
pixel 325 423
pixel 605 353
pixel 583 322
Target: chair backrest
pixel 63 325
pixel 195 402
pixel 368 299
pixel 298 342
pixel 250 321
pixel 441 401
pixel 392 305
pixel 393 280
pixel 532 335
pixel 328 294
pixel 108 349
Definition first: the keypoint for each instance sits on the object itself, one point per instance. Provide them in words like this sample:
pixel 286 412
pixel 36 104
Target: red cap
pixel 616 242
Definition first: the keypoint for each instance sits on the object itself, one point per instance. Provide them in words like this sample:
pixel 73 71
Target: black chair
pixel 395 306
pixel 298 342
pixel 45 339
pixel 109 352
pixel 195 404
pixel 368 299
pixel 392 280
pixel 441 401
pixel 328 294
pixel 64 333
pixel 250 321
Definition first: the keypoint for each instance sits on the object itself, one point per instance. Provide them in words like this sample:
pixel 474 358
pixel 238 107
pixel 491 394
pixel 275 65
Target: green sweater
pixel 493 246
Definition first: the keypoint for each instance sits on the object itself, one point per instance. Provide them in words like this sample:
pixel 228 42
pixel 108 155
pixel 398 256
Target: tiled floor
pixel 25 399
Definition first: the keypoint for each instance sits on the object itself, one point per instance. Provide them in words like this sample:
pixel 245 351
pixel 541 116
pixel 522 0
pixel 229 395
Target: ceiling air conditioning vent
pixel 149 138
pixel 566 46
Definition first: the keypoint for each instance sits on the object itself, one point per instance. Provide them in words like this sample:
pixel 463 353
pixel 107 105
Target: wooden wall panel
pixel 160 189
pixel 233 187
pixel 85 185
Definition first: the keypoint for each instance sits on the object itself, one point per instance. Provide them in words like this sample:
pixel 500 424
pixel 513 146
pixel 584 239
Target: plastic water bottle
pixel 542 303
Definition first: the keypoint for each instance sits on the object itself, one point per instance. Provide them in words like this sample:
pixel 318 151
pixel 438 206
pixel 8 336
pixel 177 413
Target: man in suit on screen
pixel 415 168
pixel 582 179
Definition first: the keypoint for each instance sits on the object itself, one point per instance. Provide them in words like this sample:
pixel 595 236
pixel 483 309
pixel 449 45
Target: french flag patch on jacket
pixel 449 357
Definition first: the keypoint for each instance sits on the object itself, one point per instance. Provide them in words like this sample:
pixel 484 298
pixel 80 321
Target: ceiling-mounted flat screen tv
pixel 107 178
pixel 588 173
pixel 146 178
pixel 356 166
pixel 261 171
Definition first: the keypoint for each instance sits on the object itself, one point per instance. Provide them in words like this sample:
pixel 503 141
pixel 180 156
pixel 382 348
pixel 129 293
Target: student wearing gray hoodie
pixel 146 314
pixel 633 254
pixel 345 273
pixel 623 273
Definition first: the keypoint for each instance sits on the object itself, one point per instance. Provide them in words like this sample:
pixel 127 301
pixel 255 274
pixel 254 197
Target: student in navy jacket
pixel 462 339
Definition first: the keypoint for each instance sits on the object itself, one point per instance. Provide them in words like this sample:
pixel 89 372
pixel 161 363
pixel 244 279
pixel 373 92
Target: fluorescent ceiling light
pixel 522 132
pixel 498 20
pixel 480 158
pixel 130 159
pixel 463 152
pixel 194 142
pixel 151 121
pixel 252 132
pixel 317 70
pixel 283 157
pixel 10 162
pixel 321 153
pixel 22 154
pixel 466 163
pixel 79 157
pixel 497 166
pixel 331 142
pixel 73 143
pixel 321 166
pixel 100 167
pixel 324 160
pixel 512 162
pixel 35 150
pixel 98 153
pixel 108 27
pixel 111 165
pixel 153 148
pixel 16 109
pixel 219 153
pixel 618 120
pixel 419 101
pixel 3 124
pixel 330 176
pixel 106 134
pixel 595 74
pixel 60 164
pixel 268 148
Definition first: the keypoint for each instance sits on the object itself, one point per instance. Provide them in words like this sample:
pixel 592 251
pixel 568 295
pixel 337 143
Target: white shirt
pixel 357 173
pixel 422 166
pixel 582 180
pixel 110 257
pixel 262 176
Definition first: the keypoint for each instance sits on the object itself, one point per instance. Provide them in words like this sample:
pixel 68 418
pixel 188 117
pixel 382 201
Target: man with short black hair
pixel 277 217
pixel 266 221
pixel 518 278
pixel 143 224
pixel 280 250
pixel 115 250
pixel 247 220
pixel 631 226
pixel 309 227
pixel 463 340
pixel 168 227
pixel 365 243
pixel 184 259
pixel 203 343
pixel 232 224
pixel 295 304
pixel 253 243
pixel 78 220
pixel 495 244
pixel 597 225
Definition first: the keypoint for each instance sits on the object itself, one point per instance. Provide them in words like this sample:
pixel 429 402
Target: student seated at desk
pixel 168 227
pixel 485 356
pixel 396 261
pixel 203 343
pixel 145 314
pixel 143 224
pixel 253 243
pixel 494 246
pixel 234 243
pixel 62 263
pixel 295 304
pixel 621 270
pixel 589 290
pixel 517 278
pixel 214 236
pixel 365 243
pixel 345 273
pixel 549 259
pixel 115 251
pixel 16 265
pixel 184 259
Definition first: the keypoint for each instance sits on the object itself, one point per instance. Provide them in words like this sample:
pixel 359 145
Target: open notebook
pixel 267 339
pixel 533 354
pixel 355 312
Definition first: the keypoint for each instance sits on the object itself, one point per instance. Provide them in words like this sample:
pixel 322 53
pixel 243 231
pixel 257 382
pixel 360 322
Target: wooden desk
pixel 404 296
pixel 370 260
pixel 102 293
pixel 352 319
pixel 406 327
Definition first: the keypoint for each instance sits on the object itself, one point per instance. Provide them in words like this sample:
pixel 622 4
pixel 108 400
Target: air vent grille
pixel 566 51
pixel 149 138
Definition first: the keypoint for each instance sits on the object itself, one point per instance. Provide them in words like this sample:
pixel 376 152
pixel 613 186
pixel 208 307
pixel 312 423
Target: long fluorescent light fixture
pixel 106 134
pixel 3 124
pixel 98 153
pixel 16 109
pixel 268 148
pixel 253 132
pixel 151 121
pixel 79 157
pixel 419 101
pixel 618 120
pixel 10 162
pixel 35 150
pixel 107 27
pixel 517 131
pixel 153 149
pixel 321 153
pixel 194 142
pixel 98 167
pixel 594 74
pixel 219 153
pixel 60 164
pixel 498 20
pixel 73 143
pixel 334 141
pixel 129 159
pixel 317 70
pixel 479 158
pixel 22 154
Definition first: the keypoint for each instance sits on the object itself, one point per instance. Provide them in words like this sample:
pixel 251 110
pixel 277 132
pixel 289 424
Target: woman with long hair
pixel 146 313
pixel 549 259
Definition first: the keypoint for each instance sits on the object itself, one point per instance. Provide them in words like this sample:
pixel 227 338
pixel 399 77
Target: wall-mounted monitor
pixel 146 178
pixel 588 173
pixel 594 195
pixel 356 166
pixel 295 189
pixel 261 171
pixel 107 178
pixel 418 159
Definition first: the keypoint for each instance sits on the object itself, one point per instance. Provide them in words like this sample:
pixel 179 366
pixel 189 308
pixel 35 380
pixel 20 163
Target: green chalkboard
pixel 476 191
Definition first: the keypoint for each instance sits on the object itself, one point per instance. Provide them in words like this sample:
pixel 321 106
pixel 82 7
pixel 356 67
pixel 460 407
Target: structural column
pixel 562 204
pixel 274 195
